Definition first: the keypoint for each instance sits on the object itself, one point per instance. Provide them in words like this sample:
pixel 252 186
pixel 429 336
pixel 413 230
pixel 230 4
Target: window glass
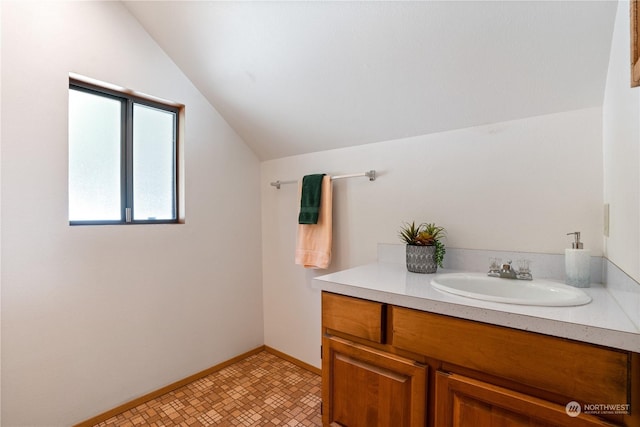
pixel 153 163
pixel 94 157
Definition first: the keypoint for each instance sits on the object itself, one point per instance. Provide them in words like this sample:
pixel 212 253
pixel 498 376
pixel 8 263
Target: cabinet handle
pixel 372 368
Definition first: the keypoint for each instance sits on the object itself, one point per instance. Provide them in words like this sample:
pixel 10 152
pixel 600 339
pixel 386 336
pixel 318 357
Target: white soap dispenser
pixel 577 261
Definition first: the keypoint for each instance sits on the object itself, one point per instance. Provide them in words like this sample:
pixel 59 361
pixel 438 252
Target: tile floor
pixel 261 390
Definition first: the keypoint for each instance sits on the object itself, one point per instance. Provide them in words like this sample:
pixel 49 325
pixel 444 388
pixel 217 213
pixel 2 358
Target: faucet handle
pixel 523 265
pixel 494 267
pixel 495 264
pixel 524 273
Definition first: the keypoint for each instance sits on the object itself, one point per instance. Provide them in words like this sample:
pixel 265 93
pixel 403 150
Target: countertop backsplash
pixel 624 289
pixel 543 266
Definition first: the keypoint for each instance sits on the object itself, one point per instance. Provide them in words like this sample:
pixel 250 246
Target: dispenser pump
pixel 576 244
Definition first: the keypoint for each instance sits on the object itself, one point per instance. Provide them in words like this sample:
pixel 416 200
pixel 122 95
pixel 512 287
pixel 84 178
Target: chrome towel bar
pixel 370 174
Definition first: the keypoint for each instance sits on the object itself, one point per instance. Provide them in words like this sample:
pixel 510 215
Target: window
pixel 122 157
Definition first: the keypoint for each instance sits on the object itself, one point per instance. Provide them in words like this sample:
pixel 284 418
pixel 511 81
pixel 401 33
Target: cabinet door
pixel 462 402
pixel 365 387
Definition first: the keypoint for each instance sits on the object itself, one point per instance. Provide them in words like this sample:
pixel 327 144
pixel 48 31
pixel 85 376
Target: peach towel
pixel 313 247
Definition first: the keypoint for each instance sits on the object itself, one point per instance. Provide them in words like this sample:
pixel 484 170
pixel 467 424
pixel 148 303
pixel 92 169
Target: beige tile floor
pixel 261 390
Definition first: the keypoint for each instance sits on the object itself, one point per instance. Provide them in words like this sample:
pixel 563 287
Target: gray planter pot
pixel 421 259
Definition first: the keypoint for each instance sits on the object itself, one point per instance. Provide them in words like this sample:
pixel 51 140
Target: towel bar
pixel 370 174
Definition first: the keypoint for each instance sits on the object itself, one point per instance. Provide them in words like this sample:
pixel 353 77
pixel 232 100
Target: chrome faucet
pixel 505 271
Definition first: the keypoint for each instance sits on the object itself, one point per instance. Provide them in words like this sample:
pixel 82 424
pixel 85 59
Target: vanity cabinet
pixel 385 365
pixel 368 387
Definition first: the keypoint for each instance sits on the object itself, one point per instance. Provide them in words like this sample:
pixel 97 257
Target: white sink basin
pixel 524 292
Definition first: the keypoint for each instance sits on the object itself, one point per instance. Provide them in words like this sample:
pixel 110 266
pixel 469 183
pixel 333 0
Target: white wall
pixel 621 142
pixel 516 186
pixel 94 316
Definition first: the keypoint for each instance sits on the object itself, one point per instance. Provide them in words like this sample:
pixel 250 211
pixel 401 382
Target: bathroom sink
pixel 525 292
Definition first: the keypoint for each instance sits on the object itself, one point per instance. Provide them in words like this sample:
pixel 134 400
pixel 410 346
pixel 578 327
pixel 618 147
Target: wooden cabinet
pixel 462 402
pixel 370 388
pixel 385 365
pixel 580 371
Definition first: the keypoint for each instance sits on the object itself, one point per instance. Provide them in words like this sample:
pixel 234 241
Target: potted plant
pixel 425 250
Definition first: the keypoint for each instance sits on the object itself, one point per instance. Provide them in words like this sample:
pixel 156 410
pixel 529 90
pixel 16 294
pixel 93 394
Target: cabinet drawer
pixel 353 316
pixel 581 372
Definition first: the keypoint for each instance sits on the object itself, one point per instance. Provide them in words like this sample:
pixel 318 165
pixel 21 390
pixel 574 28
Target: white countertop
pixel 602 321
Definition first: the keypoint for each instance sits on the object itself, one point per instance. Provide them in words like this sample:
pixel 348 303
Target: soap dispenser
pixel 577 262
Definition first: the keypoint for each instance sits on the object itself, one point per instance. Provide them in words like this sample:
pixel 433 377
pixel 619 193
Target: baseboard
pixel 166 389
pixel 293 360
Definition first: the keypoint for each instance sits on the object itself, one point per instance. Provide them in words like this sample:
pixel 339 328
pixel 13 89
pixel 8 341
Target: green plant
pixel 425 234
pixel 409 233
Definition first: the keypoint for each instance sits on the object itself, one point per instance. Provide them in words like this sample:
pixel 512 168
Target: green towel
pixel 310 199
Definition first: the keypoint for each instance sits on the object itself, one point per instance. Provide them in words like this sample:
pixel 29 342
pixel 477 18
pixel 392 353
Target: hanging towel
pixel 310 199
pixel 313 247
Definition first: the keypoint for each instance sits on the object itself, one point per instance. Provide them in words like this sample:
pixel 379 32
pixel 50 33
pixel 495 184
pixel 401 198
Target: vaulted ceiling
pixel 294 77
